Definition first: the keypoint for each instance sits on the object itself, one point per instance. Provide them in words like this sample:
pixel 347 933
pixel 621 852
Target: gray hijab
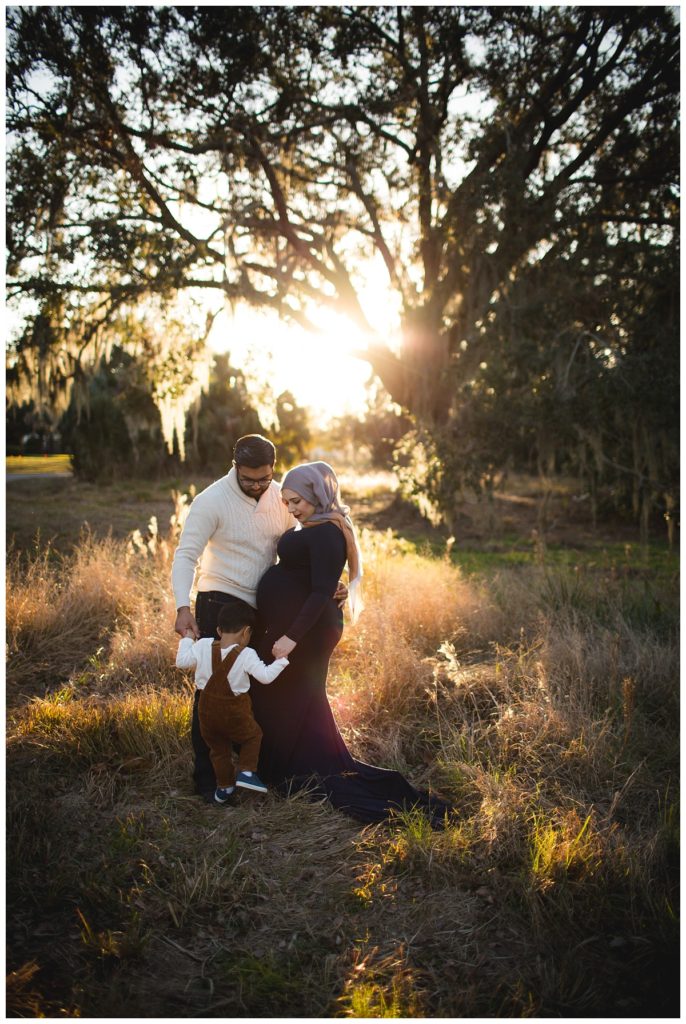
pixel 317 483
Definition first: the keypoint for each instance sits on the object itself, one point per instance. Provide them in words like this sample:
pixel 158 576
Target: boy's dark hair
pixel 254 451
pixel 233 616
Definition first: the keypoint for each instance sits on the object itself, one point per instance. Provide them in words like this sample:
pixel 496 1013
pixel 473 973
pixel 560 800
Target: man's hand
pixel 341 595
pixel 283 647
pixel 185 621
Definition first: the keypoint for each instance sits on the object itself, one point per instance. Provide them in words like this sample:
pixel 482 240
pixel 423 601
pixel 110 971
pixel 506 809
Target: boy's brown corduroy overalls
pixel 226 718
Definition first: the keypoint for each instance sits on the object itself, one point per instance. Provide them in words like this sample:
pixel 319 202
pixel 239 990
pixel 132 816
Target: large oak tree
pixel 515 170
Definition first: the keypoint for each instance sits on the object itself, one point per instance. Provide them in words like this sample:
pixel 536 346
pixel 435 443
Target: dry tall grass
pixel 542 703
pixel 90 620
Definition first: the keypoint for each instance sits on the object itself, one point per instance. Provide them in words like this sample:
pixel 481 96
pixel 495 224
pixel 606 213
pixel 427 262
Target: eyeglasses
pixel 248 481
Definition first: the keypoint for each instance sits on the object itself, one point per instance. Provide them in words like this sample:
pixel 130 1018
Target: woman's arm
pixel 327 558
pixel 283 647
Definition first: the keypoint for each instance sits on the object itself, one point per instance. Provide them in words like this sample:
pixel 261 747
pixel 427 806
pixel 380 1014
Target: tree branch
pixel 376 233
pixel 132 162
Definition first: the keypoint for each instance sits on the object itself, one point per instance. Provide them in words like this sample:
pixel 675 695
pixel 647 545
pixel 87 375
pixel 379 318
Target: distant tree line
pixel 515 170
pixel 113 429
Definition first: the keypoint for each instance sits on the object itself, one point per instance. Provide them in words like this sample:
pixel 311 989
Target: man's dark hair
pixel 254 451
pixel 234 615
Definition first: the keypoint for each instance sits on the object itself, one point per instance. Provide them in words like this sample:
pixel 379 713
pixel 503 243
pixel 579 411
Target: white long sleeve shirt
pixel 197 654
pixel 230 539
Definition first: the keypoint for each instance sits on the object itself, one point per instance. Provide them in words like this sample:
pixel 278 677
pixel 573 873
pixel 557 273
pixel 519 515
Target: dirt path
pixel 38 476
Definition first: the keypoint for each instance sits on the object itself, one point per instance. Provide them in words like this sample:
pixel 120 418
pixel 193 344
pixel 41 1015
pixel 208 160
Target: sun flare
pixel 326 372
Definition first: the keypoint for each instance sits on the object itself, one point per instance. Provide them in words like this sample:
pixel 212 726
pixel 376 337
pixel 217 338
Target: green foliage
pixel 587 388
pixel 225 411
pixel 378 430
pixel 29 431
pixel 291 434
pixel 221 415
pixel 270 986
pixel 369 999
pixel 118 431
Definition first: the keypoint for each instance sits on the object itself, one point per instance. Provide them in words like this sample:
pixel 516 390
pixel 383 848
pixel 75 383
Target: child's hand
pixel 189 633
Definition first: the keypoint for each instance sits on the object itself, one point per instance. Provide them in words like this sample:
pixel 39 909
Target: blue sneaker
pixel 223 795
pixel 248 780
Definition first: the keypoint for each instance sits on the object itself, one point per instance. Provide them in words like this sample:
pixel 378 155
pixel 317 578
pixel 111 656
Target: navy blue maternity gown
pixel 302 746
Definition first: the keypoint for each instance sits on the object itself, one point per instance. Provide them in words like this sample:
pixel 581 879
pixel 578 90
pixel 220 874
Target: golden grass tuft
pixel 382 672
pixel 22 998
pixel 96 619
pixel 422 599
pixel 381 986
pixel 564 847
pixel 62 610
pixel 145 729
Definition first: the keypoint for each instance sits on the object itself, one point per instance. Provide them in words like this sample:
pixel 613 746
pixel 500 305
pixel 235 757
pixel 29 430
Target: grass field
pixel 537 693
pixel 23 464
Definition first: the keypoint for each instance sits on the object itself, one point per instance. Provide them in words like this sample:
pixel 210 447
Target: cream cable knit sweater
pixel 232 536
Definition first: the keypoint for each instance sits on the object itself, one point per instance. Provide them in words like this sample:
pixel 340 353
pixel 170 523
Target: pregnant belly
pixel 280 596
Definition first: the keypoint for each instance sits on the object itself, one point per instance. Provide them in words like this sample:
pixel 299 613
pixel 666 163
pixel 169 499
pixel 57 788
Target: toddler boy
pixel 222 670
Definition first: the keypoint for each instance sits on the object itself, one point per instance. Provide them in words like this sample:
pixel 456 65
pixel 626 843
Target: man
pixel 231 530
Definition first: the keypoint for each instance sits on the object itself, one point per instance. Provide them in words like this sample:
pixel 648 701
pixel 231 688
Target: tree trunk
pixel 418 380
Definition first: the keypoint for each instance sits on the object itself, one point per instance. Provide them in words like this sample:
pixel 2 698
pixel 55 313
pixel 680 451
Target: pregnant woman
pixel 301 745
